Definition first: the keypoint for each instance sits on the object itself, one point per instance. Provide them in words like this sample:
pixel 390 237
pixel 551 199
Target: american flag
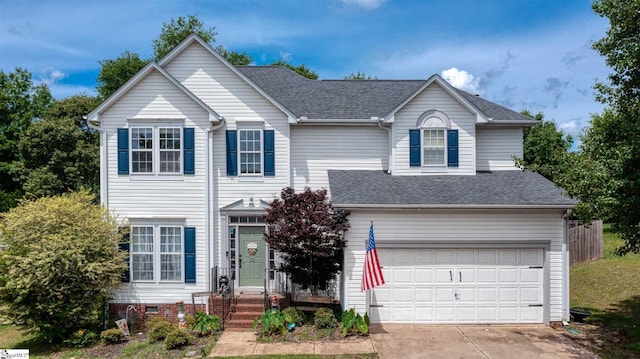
pixel 372 273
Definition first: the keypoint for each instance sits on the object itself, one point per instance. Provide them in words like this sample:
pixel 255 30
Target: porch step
pixel 245 315
pixel 245 309
pixel 235 324
pixel 250 299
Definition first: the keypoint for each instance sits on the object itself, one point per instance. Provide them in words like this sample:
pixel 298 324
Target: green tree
pixel 359 76
pixel 235 58
pixel 57 156
pixel 176 30
pixel 309 233
pixel 301 70
pixel 21 103
pixel 60 263
pixel 115 72
pixel 621 50
pixel 75 107
pixel 545 148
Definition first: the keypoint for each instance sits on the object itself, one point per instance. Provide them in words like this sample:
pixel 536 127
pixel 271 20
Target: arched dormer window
pixel 433 144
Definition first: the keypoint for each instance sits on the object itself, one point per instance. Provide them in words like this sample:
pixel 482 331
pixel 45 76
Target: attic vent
pixel 477 95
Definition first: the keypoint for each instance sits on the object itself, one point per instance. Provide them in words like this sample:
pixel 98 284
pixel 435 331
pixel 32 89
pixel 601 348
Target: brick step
pixel 250 300
pixel 248 307
pixel 238 323
pixel 245 315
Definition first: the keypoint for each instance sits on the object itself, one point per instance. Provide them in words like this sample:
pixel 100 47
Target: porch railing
pixel 226 291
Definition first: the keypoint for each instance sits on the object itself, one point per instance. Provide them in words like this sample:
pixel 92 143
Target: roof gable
pixel 94 116
pixel 194 38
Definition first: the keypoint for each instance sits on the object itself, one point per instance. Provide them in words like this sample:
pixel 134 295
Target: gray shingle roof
pixel 500 188
pixel 351 99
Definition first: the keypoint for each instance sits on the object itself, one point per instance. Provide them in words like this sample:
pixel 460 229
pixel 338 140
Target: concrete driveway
pixel 473 341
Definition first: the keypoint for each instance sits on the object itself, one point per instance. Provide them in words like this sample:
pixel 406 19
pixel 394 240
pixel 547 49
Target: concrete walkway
pixel 244 344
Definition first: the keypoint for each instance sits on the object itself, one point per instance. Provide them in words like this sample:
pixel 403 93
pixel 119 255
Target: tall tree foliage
pixel 301 70
pixel 621 50
pixel 545 148
pixel 359 76
pixel 176 30
pixel 22 102
pixel 60 263
pixel 115 72
pixel 309 233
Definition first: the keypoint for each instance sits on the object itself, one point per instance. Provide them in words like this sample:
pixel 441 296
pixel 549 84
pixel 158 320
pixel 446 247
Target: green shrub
pixel 81 338
pixel 273 322
pixel 190 320
pixel 49 250
pixel 297 316
pixel 324 319
pixel 177 338
pixel 205 323
pixel 112 336
pixel 151 322
pixel 354 324
pixel 159 331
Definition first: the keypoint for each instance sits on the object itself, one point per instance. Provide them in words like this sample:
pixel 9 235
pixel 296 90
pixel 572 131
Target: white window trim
pixel 156 125
pixel 156 253
pixel 422 147
pixel 261 147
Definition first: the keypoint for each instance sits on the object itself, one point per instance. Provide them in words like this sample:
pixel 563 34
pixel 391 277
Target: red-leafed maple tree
pixel 309 234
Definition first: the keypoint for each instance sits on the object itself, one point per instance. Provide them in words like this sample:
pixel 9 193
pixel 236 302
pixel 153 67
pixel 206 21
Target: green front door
pixel 252 256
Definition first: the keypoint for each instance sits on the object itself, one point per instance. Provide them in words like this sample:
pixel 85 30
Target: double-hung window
pixel 433 145
pixel 161 143
pixel 156 253
pixel 250 152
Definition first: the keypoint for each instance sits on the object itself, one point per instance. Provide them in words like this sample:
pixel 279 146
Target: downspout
pixel 104 172
pixel 390 144
pixel 207 209
pixel 565 265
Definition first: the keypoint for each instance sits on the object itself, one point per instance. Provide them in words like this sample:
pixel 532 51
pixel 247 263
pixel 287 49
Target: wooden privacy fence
pixel 585 242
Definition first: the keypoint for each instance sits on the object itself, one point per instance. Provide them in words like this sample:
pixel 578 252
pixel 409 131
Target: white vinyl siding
pixel 158 102
pixel 316 149
pixel 496 147
pixel 243 108
pixel 454 229
pixel 435 97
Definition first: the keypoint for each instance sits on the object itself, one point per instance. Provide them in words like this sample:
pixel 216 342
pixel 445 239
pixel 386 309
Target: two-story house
pixel 193 149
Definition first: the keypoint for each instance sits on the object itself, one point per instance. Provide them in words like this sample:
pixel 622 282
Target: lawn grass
pixel 610 289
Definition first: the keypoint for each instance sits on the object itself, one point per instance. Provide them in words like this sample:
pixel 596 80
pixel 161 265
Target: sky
pixel 523 54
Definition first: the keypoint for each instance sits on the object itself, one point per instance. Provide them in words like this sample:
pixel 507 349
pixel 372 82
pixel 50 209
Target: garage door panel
pixel 466 314
pixel 444 275
pixel 488 295
pixel 423 275
pixel 402 295
pixel 487 275
pixel 460 286
pixel 423 295
pixel 466 295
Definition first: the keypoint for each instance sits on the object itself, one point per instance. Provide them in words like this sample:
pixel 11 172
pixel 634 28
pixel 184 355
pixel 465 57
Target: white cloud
pixel 365 4
pixel 285 56
pixel 462 79
pixel 50 77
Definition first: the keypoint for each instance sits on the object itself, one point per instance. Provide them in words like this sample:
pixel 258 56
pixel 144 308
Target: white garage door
pixel 459 286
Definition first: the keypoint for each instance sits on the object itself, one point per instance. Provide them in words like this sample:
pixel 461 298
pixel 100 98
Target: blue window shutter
pixel 232 153
pixel 189 159
pixel 126 275
pixel 189 254
pixel 123 151
pixel 269 155
pixel 452 148
pixel 414 148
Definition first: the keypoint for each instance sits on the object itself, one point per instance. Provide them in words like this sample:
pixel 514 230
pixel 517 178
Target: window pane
pixel 170 253
pixel 169 150
pixel 433 147
pixel 142 150
pixel 250 152
pixel 142 253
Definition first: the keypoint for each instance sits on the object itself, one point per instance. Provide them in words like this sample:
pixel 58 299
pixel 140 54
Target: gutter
pixel 390 143
pixel 452 206
pixel 565 266
pixel 207 208
pixel 104 170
